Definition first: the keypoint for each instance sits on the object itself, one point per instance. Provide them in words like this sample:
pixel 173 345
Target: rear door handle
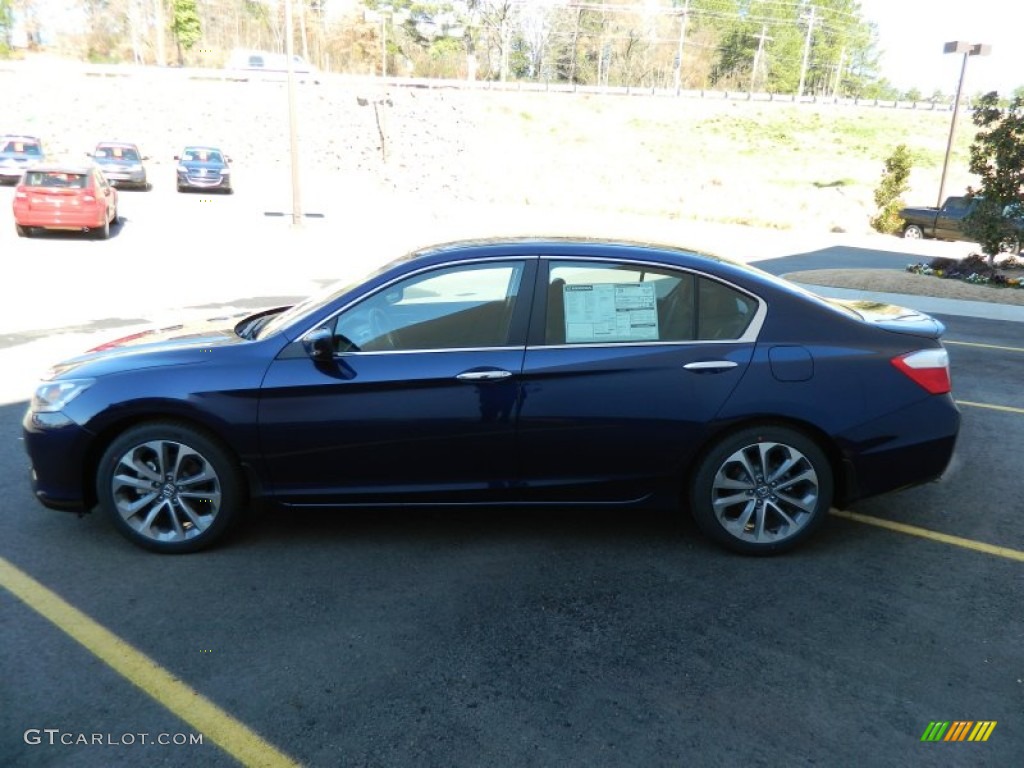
pixel 483 375
pixel 710 366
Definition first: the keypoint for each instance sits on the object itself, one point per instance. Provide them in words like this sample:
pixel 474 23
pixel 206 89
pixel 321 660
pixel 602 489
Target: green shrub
pixel 888 196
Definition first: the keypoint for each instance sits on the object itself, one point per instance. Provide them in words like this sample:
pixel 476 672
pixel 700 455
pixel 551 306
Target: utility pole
pixel 293 133
pixel 807 54
pixel 679 51
pixel 383 45
pixel 839 75
pixel 757 56
pixel 161 52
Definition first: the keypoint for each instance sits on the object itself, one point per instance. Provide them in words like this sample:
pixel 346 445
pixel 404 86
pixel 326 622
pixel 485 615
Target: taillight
pixel 88 199
pixel 21 194
pixel 929 368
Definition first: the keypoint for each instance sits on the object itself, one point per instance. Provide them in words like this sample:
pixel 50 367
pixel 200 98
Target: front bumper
pixel 119 178
pixel 204 182
pixel 58 449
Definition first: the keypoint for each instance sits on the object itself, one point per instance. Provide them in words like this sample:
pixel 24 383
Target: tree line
pixel 812 47
pixel 803 47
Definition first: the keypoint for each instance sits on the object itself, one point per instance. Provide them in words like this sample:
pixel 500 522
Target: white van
pixel 248 62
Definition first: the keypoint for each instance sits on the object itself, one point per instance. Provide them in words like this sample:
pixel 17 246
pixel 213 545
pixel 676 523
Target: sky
pixel 912 32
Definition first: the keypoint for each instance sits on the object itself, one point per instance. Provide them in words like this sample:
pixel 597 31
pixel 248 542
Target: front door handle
pixel 483 375
pixel 710 366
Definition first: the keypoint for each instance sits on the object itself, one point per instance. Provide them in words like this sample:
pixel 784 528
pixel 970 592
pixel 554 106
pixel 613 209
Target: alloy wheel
pixel 765 492
pixel 166 491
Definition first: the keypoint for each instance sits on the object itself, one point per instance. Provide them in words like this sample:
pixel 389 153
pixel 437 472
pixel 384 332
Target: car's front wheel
pixel 762 490
pixel 169 487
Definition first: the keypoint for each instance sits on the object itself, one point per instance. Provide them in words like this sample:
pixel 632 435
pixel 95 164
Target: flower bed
pixel 974 269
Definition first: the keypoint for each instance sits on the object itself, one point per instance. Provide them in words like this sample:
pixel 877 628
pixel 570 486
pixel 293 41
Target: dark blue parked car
pixel 203 168
pixel 508 372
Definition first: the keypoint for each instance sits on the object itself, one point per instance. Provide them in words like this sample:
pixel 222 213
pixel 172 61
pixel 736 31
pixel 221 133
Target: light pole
pixel 967 49
pixel 293 133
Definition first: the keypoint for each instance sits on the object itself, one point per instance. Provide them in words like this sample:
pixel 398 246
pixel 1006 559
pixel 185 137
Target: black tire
pixel 913 232
pixel 103 232
pixel 23 231
pixel 190 507
pixel 773 514
pixel 116 220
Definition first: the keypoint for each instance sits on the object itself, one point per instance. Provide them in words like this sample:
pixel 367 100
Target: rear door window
pixel 610 303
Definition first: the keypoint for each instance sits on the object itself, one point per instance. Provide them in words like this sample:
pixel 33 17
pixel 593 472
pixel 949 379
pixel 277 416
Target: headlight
pixel 182 169
pixel 52 396
pixel 225 171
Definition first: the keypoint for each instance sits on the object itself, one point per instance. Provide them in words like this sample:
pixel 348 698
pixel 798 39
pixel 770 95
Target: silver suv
pixel 17 153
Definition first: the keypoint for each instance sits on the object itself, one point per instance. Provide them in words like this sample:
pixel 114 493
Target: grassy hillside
pixel 766 164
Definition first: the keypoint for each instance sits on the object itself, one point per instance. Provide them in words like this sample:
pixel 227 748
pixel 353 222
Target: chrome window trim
pixel 749 335
pixel 431 268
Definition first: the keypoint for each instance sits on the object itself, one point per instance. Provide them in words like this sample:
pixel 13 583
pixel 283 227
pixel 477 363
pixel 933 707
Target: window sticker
pixel 610 312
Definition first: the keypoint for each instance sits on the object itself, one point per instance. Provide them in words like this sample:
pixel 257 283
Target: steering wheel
pixel 377 319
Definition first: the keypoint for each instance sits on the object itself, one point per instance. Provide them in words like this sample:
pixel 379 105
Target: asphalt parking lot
pixel 533 638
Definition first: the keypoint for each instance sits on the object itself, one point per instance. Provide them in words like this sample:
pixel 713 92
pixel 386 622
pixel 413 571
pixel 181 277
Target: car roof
pixel 62 168
pixel 206 147
pixel 21 136
pixel 116 144
pixel 570 247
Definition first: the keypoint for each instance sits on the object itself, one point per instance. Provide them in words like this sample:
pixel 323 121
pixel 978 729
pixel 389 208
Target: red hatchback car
pixel 65 197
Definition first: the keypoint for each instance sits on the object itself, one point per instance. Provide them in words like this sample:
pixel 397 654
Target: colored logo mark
pixel 958 730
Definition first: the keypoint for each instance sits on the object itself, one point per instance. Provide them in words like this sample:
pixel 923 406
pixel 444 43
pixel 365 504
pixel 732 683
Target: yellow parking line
pixel 207 718
pixel 1007 408
pixel 924 533
pixel 983 346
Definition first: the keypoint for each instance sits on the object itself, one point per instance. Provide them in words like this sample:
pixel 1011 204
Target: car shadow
pixel 79 234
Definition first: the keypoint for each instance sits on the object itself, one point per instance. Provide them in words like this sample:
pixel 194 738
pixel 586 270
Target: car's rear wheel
pixel 169 487
pixel 103 231
pixel 913 232
pixel 762 490
pixel 23 231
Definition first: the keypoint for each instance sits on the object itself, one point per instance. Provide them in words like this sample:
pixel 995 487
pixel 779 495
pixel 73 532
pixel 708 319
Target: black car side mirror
pixel 319 344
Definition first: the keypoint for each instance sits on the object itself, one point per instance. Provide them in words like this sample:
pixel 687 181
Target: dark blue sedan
pixel 506 373
pixel 203 168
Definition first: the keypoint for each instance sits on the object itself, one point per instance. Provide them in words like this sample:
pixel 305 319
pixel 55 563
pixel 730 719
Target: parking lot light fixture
pixel 967 49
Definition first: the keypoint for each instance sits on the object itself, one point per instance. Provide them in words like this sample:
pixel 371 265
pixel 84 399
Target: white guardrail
pixel 233 75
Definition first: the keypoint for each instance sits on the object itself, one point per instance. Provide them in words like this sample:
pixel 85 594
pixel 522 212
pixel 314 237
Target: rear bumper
pixel 63 219
pixel 908 447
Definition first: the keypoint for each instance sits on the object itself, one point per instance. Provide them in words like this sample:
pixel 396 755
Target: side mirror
pixel 319 344
pixel 177 158
pixel 146 157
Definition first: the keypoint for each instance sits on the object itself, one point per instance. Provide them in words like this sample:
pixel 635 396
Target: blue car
pixel 17 154
pixel 511 372
pixel 201 167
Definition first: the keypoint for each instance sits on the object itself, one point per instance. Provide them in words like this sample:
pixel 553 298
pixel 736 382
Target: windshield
pixel 28 148
pixel 319 299
pixel 116 153
pixel 202 156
